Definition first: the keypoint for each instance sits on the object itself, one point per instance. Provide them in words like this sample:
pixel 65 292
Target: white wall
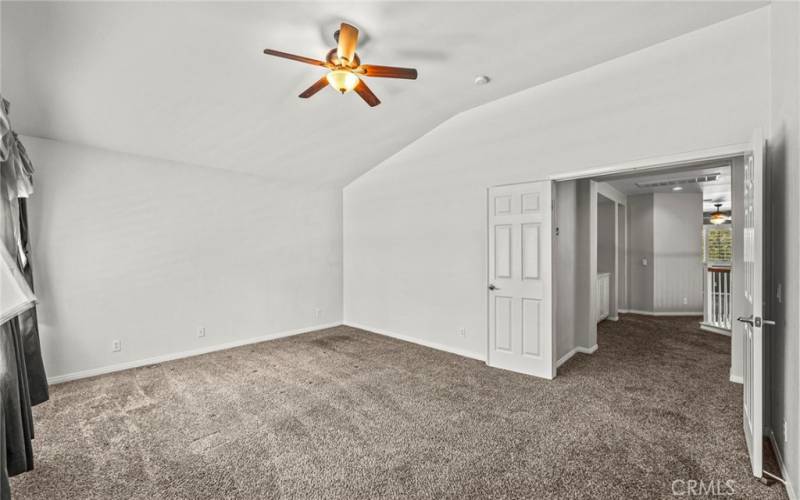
pixel 678 252
pixel 783 150
pixel 147 251
pixel 415 226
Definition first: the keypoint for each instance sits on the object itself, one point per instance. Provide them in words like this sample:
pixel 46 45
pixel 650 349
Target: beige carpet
pixel 342 413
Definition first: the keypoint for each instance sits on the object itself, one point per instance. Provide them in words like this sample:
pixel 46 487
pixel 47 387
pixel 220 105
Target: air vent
pixel 679 182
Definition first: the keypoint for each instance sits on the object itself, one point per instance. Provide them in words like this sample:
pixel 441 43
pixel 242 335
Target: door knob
pixel 748 319
pixel 493 288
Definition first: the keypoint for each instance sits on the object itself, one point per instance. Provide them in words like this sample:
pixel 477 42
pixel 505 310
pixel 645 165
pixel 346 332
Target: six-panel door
pixel 520 278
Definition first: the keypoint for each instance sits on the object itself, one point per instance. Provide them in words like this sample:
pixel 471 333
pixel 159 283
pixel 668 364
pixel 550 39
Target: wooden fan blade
pixel 294 57
pixel 348 39
pixel 366 94
pixel 318 85
pixel 388 72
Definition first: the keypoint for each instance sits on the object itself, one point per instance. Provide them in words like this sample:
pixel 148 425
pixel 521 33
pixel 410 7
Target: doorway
pixel 663 257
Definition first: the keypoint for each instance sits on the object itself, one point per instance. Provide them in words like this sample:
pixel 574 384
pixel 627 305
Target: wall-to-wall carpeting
pixel 342 413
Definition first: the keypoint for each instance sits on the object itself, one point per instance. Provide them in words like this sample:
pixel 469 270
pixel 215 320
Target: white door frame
pixel 658 162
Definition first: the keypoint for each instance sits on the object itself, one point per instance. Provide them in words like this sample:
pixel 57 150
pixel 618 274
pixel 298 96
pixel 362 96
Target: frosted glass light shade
pixel 342 80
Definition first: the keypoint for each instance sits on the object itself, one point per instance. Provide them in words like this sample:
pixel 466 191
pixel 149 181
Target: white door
pixel 520 278
pixel 753 321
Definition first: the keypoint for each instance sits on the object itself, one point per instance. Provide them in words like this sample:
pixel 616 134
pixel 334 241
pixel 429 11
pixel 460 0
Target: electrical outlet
pixel 116 346
pixel 462 332
pixel 201 332
pixel 317 313
pixel 685 300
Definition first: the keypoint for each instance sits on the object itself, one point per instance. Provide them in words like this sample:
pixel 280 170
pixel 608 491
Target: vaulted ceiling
pixel 188 81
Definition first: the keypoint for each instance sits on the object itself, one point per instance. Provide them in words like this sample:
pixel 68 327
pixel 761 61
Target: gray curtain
pixel 23 382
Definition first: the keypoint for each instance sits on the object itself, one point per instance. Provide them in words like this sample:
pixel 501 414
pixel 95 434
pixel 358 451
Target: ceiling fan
pixel 346 68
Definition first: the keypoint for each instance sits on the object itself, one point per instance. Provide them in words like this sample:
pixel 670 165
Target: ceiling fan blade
pixel 366 94
pixel 318 85
pixel 294 57
pixel 348 39
pixel 388 72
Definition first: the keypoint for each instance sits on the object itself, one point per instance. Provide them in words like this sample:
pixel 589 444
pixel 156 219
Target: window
pixel 718 245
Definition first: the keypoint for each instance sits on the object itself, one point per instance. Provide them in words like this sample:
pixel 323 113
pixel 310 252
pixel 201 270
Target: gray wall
pixel 605 235
pixel 607 248
pixel 585 267
pixel 565 260
pixel 666 229
pixel 640 224
pixel 783 150
pixel 622 287
pixel 677 252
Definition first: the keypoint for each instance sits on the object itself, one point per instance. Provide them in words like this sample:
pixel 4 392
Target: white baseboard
pixel 714 329
pixel 613 318
pixel 414 340
pixel 789 487
pixel 664 313
pixel 736 379
pixel 567 356
pixel 58 379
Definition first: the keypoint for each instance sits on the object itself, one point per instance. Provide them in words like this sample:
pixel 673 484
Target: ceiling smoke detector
pixel 482 80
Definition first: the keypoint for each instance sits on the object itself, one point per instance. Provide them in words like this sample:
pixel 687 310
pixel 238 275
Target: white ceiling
pixel 718 191
pixel 188 81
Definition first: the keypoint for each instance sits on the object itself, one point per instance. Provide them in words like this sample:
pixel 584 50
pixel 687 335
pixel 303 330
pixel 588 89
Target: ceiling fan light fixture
pixel 342 80
pixel 346 69
pixel 718 217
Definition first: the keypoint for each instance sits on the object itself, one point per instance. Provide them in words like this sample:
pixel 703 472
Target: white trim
pixel 789 487
pixel 736 379
pixel 613 318
pixel 579 349
pixel 612 193
pixel 659 162
pixel 714 329
pixel 58 379
pixel 665 313
pixel 414 340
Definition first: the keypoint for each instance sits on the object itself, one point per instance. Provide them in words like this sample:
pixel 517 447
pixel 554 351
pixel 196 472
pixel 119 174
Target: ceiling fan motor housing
pixel 333 59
